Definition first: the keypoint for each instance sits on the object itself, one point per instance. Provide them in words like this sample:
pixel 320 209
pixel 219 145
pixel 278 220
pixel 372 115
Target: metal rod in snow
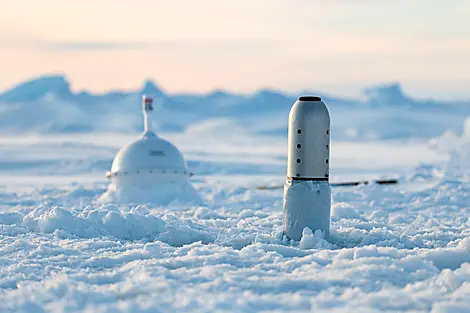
pixel 147 107
pixel 342 184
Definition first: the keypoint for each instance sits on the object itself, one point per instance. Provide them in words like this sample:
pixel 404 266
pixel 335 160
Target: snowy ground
pixel 392 248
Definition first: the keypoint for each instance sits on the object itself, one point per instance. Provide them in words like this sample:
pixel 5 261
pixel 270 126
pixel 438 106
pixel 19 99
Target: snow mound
pixel 312 240
pixel 390 94
pixel 165 194
pixel 38 88
pixel 109 221
pixel 341 210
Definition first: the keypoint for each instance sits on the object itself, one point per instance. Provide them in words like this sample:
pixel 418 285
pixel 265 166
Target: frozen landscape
pixel 400 248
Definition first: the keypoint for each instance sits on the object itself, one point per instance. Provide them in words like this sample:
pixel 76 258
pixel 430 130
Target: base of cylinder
pixel 307 203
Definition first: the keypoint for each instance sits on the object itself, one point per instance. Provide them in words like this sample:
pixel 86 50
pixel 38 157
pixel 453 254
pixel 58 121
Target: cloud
pixel 148 45
pixel 215 45
pixel 101 45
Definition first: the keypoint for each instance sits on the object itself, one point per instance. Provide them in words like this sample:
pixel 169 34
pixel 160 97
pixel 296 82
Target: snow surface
pixel 400 248
pixel 391 248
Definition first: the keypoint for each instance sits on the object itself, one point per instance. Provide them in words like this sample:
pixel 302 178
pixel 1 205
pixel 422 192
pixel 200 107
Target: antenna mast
pixel 147 107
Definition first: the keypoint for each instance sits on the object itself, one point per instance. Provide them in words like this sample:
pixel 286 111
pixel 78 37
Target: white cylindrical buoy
pixel 307 193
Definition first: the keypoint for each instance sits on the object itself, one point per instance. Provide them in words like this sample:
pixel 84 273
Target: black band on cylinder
pixel 307 178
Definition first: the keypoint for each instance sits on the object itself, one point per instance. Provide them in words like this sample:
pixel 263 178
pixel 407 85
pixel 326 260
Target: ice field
pixel 392 248
pixel 402 247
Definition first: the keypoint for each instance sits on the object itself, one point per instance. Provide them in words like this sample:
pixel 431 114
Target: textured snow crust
pixel 397 248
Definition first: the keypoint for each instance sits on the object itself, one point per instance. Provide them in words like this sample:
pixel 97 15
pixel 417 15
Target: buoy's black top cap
pixel 309 98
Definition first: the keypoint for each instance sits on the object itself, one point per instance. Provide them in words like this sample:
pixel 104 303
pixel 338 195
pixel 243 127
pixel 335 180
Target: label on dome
pixel 156 153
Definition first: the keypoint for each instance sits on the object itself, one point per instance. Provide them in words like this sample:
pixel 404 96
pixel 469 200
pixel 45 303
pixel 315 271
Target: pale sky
pixel 336 46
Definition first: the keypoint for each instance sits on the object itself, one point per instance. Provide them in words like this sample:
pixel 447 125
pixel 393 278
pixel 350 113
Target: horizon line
pixel 300 91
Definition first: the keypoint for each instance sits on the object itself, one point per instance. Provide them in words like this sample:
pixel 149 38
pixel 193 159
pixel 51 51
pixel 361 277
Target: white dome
pixel 149 170
pixel 149 153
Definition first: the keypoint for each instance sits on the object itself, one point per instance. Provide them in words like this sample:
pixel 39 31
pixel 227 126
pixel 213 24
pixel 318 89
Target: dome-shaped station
pixel 150 169
pixel 150 155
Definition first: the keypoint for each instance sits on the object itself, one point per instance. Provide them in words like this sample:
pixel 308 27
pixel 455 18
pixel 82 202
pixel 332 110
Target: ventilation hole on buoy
pixel 298 160
pixel 327 131
pixel 299 146
pixel 299 131
pixel 327 147
pixel 326 161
